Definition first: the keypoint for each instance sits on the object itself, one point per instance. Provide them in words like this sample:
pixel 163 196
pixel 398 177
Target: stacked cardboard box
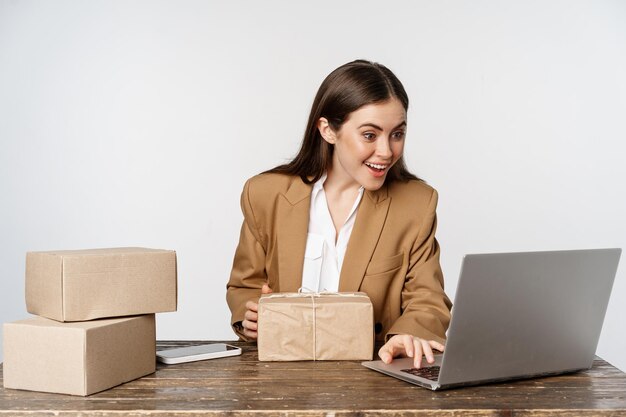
pixel 96 326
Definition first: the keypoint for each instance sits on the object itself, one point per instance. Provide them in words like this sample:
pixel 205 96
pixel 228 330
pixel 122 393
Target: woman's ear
pixel 326 131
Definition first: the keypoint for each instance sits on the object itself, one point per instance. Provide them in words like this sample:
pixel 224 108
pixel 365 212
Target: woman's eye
pixel 369 136
pixel 398 135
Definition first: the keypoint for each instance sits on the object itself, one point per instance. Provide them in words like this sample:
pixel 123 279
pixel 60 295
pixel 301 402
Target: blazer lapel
pixel 292 223
pixel 364 238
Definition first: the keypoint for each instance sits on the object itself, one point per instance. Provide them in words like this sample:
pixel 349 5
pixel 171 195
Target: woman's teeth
pixel 376 166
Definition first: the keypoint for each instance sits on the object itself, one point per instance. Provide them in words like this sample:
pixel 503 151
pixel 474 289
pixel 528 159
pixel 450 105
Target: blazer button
pixel 378 328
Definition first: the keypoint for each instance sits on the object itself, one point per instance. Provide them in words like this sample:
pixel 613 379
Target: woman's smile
pixel 377 170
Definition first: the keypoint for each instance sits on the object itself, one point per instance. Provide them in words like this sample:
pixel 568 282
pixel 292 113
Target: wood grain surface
pixel 241 386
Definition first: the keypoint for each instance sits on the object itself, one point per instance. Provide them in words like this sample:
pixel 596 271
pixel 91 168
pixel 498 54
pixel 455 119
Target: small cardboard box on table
pixel 315 326
pixel 78 358
pixel 79 285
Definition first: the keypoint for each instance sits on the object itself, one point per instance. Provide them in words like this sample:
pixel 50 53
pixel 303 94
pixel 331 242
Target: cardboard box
pixel 77 358
pixel 326 326
pixel 79 285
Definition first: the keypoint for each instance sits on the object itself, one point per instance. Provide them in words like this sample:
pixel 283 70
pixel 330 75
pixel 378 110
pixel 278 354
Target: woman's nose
pixel 383 148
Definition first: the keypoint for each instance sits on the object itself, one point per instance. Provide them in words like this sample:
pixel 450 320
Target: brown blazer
pixel 392 254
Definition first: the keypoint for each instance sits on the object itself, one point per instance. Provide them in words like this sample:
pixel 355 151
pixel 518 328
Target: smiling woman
pixel 348 196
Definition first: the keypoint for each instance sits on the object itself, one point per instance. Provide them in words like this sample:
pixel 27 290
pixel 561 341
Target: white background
pixel 135 123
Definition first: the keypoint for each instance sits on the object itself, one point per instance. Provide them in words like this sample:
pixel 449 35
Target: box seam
pixel 176 280
pixel 85 376
pixel 63 314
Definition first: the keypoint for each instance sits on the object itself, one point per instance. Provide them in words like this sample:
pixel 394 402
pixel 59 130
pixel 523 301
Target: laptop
pixel 519 315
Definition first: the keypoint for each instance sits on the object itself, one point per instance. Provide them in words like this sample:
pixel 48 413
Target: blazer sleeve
pixel 248 273
pixel 425 306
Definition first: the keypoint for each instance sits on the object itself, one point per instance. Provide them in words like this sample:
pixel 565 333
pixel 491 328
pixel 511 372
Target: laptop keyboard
pixel 429 372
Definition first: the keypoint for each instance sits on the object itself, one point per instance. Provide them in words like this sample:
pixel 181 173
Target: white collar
pixel 319 185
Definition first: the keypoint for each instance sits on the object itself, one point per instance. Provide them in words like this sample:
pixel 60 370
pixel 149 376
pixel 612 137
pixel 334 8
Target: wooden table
pixel 242 385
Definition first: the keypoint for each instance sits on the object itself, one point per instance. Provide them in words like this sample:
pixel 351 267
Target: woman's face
pixel 367 145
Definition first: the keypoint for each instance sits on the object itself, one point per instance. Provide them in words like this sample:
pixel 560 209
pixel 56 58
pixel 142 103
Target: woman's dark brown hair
pixel 346 89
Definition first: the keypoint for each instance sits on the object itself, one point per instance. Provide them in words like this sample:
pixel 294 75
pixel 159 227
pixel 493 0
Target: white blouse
pixel 323 257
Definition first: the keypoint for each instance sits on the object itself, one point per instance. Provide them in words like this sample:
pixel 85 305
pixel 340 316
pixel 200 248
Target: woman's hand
pixel 250 326
pixel 409 346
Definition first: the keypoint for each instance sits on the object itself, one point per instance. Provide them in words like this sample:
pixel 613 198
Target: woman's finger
pixel 251 305
pixel 387 352
pixel 251 316
pixel 250 334
pixel 428 351
pixel 385 355
pixel 417 359
pixel 408 345
pixel 437 345
pixel 250 325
